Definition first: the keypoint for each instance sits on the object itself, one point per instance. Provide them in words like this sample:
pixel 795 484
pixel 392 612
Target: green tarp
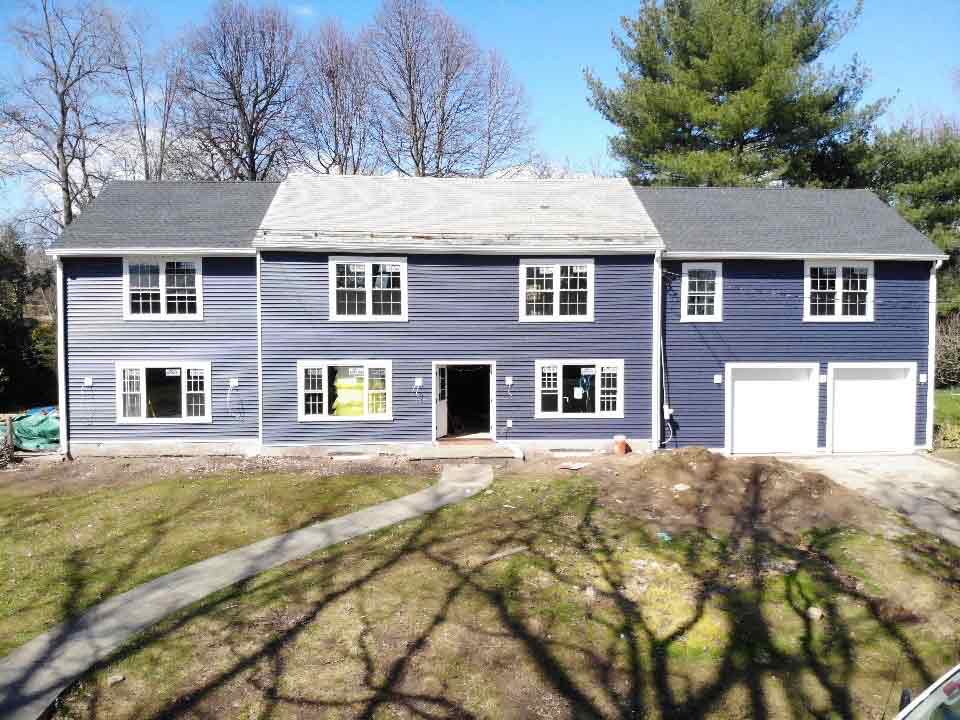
pixel 35 431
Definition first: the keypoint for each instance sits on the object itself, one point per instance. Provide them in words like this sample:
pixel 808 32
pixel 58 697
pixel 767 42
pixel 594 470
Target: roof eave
pixel 753 255
pixel 179 251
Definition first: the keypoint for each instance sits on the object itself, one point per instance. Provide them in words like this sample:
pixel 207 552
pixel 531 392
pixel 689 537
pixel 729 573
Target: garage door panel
pixel 773 409
pixel 873 409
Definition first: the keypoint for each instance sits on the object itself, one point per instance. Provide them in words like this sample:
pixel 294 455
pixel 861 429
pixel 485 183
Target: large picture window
pixel 158 392
pixel 157 288
pixel 556 290
pixel 579 388
pixel 364 288
pixel 344 390
pixel 838 291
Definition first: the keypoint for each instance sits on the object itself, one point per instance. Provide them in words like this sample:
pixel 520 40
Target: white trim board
pixel 118 252
pixel 656 391
pixel 62 361
pixel 751 255
pixel 931 353
pixel 433 393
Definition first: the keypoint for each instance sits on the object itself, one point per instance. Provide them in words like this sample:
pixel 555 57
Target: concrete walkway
pixel 34 675
pixel 925 489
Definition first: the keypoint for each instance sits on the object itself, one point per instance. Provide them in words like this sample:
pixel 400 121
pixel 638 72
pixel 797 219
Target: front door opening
pixel 463 402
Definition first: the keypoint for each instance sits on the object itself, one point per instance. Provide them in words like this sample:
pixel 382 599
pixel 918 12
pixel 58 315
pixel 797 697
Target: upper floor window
pixel 701 292
pixel 162 288
pixel 579 388
pixel 556 290
pixel 344 390
pixel 364 288
pixel 838 291
pixel 159 392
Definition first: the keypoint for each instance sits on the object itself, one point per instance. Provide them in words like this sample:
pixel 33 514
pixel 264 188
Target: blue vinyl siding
pixel 460 308
pixel 763 321
pixel 97 336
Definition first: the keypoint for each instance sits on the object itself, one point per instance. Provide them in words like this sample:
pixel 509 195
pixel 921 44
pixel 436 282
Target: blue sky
pixel 910 47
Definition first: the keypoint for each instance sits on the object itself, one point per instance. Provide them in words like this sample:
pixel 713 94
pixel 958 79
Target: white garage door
pixel 772 408
pixel 873 408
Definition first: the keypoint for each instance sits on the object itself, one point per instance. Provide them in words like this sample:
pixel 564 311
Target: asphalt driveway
pixel 924 488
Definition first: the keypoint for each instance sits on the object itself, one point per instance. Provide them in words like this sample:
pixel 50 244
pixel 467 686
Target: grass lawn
pixel 74 533
pixel 947 402
pixel 683 585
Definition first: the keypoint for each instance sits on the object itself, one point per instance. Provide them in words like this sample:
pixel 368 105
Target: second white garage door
pixel 873 407
pixel 771 408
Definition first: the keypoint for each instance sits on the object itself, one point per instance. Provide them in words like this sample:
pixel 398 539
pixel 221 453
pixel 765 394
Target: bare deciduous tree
pixel 444 107
pixel 335 105
pixel 51 120
pixel 240 84
pixel 149 85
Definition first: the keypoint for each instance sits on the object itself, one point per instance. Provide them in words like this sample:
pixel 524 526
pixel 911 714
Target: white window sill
pixel 161 316
pixel 578 416
pixel 554 319
pixel 703 319
pixel 368 318
pixel 336 418
pixel 164 421
pixel 838 319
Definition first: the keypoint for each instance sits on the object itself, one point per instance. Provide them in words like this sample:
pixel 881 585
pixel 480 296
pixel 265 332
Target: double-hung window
pixel 363 288
pixel 701 292
pixel 838 291
pixel 344 390
pixel 579 388
pixel 163 392
pixel 556 290
pixel 156 288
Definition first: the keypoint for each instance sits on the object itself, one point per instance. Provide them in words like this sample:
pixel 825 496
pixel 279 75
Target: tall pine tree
pixel 728 92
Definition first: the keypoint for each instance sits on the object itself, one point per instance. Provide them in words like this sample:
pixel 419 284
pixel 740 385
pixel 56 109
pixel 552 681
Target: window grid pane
pixel 144 279
pixel 823 291
pixel 701 293
pixel 377 391
pixel 608 389
pixel 131 393
pixel 549 389
pixel 351 289
pixel 573 290
pixel 196 395
pixel 313 391
pixel 386 289
pixel 181 284
pixel 539 291
pixel 854 297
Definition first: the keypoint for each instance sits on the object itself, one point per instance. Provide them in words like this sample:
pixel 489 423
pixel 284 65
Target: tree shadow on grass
pixel 621 664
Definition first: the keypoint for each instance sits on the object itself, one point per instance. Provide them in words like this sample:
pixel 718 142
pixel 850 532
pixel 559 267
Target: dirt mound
pixel 694 488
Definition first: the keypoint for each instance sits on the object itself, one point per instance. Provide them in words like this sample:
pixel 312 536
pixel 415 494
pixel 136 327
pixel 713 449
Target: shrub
pixel 948 351
pixel 948 435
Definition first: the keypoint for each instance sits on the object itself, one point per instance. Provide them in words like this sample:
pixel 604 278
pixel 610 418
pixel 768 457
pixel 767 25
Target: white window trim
pixel 621 383
pixel 162 261
pixel 183 365
pixel 717 294
pixel 368 263
pixel 555 264
pixel 324 364
pixel 838 265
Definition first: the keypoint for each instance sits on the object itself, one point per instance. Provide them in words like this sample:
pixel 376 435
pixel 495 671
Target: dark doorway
pixel 468 401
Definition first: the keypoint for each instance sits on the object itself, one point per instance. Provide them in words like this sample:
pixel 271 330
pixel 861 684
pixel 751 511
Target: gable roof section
pixel 166 215
pixel 385 214
pixel 761 222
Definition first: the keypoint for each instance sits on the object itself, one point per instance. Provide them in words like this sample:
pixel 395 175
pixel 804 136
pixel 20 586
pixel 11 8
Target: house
pixel 332 311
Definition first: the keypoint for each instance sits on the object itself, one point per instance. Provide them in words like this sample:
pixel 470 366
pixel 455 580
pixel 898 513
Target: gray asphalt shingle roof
pixel 780 220
pixel 183 215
